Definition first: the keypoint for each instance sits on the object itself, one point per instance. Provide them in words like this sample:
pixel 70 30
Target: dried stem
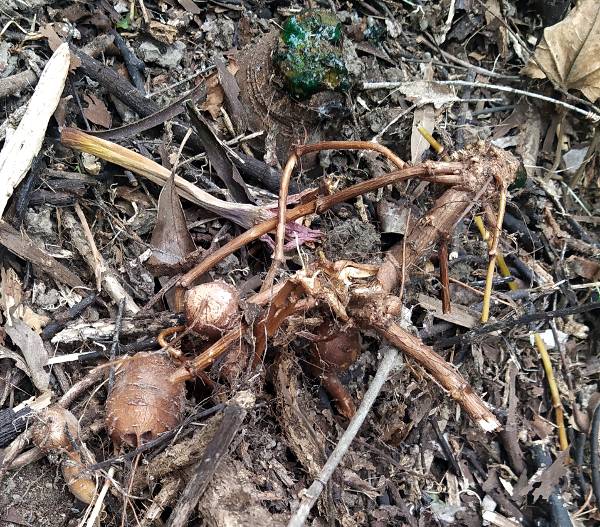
pixel 502 267
pixel 443 260
pixel 593 116
pixel 278 256
pixel 443 373
pixel 485 312
pixel 240 213
pixel 310 495
pixel 443 173
pixel 554 393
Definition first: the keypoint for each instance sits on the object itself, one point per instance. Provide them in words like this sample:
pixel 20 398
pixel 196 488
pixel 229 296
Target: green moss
pixel 309 54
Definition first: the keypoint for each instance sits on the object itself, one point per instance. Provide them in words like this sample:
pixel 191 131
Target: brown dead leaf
pixel 96 111
pixel 162 32
pixel 33 350
pixel 214 96
pixel 171 241
pixel 190 6
pixel 570 51
pixel 550 476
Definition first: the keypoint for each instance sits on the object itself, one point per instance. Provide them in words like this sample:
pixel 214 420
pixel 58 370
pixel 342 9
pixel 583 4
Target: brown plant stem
pixel 278 256
pixel 441 371
pixel 443 260
pixel 485 312
pixel 443 173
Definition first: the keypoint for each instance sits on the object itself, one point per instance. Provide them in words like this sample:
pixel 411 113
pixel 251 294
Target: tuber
pixel 144 401
pixel 57 431
pixel 333 353
pixel 212 308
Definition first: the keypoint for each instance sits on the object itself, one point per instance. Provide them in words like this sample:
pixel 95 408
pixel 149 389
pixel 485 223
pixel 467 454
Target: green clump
pixel 309 54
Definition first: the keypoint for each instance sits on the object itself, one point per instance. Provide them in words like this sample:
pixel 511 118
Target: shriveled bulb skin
pixel 309 54
pixel 212 308
pixel 144 402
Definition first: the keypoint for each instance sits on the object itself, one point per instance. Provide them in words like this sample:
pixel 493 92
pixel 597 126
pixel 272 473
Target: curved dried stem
pixel 554 393
pixel 443 173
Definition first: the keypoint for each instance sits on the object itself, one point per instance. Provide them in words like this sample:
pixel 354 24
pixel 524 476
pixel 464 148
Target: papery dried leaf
pixel 33 350
pixel 425 92
pixel 231 91
pixel 171 241
pixel 96 111
pixel 214 97
pixel 570 51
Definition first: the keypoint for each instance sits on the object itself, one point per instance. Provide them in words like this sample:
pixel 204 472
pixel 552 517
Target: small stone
pixel 169 57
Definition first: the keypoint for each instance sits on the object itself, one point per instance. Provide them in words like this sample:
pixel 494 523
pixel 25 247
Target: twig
pixel 15 83
pixel 595 452
pixel 502 267
pixel 464 63
pixel 443 261
pixel 25 143
pixel 310 495
pixel 485 312
pixel 450 458
pixel 82 239
pixel 100 499
pixel 593 116
pixel 115 343
pixel 554 393
pixel 61 319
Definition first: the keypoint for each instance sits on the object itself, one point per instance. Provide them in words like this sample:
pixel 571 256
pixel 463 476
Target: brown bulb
pixel 144 401
pixel 337 350
pixel 52 430
pixel 212 308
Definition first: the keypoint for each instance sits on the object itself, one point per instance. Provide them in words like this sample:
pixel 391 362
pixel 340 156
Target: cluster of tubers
pixel 148 395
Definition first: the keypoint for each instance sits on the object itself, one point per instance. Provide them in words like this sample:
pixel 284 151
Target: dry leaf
pixel 214 96
pixel 550 476
pixel 96 111
pixel 163 32
pixel 217 153
pixel 33 350
pixel 570 51
pixel 171 241
pixel 425 92
pixel 190 6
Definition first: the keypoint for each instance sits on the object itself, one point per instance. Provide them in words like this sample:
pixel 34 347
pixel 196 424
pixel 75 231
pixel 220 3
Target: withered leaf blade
pixel 217 155
pixel 171 241
pixel 231 91
pixel 570 51
pixel 33 350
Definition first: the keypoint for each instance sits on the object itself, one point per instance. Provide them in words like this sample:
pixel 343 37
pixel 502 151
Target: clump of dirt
pixel 37 496
pixel 353 239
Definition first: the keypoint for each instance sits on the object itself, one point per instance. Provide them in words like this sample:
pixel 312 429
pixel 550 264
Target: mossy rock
pixel 309 54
